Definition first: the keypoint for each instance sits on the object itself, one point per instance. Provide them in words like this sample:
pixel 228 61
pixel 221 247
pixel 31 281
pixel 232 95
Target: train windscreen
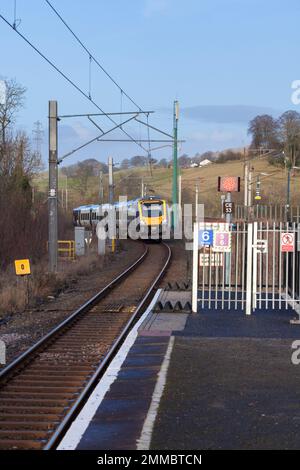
pixel 152 210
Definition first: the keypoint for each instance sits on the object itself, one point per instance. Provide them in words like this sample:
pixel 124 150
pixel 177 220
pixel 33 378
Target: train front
pixel 153 215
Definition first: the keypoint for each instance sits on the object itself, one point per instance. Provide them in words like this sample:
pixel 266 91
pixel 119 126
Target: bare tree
pixel 289 127
pixel 264 132
pixel 12 102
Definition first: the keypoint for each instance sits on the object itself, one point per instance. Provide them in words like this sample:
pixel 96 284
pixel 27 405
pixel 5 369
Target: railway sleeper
pixel 25 434
pixel 36 402
pixel 36 417
pixel 14 409
pixel 16 444
pixel 35 394
pixel 28 425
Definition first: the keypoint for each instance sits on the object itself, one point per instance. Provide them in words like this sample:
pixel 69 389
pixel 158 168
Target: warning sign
pixel 287 242
pixel 22 267
pixel 222 241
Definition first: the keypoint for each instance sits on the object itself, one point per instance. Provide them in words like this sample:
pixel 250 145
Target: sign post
pixel 228 184
pixel 22 268
pixel 53 186
pixel 195 268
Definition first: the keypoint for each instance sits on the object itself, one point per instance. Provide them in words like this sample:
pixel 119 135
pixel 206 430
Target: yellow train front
pixel 153 218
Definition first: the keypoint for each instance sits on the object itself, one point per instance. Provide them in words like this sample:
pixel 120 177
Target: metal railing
pixel 259 269
pixel 270 212
pixel 65 249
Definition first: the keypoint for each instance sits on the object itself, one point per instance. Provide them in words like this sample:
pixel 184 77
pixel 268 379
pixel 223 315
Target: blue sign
pixel 206 237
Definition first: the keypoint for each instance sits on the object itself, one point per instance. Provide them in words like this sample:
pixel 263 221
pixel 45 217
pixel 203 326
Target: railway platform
pixel 217 379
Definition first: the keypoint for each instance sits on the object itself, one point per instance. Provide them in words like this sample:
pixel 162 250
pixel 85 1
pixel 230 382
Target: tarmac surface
pixel 230 384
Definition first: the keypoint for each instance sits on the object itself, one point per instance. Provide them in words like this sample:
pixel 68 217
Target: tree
pixel 163 163
pixel 228 155
pixel 125 164
pixel 264 132
pixel 289 129
pixel 11 102
pixel 91 166
pixel 138 160
pixel 83 174
pixel 184 161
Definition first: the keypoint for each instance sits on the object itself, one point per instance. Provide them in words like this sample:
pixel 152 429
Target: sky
pixel 225 61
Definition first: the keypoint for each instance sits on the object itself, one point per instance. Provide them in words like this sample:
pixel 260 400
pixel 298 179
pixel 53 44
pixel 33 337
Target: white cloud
pixel 155 7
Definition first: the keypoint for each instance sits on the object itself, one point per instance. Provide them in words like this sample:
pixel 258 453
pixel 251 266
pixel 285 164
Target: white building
pixel 205 162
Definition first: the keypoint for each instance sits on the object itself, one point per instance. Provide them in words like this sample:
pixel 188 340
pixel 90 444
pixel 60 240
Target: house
pixel 205 162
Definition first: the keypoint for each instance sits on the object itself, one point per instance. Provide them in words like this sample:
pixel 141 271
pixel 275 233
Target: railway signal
pixel 257 190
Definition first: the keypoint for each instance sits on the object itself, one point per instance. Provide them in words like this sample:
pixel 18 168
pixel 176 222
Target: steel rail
pixel 79 403
pixel 28 355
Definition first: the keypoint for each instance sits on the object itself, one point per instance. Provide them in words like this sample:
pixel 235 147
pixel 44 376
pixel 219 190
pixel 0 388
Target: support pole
pixel 288 194
pixel 196 203
pixel 66 199
pixel 110 181
pixel 249 270
pixel 142 187
pixel 175 166
pixel 249 188
pixel 228 218
pixel 246 168
pixel 195 269
pixel 111 193
pixel 53 186
pixel 179 190
pixel 101 187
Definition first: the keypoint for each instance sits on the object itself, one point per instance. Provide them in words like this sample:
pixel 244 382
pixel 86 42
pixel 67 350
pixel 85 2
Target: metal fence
pixel 271 212
pixel 257 268
pixel 275 266
pixel 221 275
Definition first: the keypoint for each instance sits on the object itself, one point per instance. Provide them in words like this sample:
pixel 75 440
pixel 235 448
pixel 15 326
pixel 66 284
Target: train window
pixel 152 210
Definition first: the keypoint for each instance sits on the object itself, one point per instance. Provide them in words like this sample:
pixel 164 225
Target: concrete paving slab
pixel 165 322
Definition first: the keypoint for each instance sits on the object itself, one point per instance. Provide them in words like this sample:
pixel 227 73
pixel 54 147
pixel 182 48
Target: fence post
pixel 254 265
pixel 249 269
pixel 195 268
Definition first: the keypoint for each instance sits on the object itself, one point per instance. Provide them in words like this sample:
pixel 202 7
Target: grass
pixel 273 186
pixel 18 293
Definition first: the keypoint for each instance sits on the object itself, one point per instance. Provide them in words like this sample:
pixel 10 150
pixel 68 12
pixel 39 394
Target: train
pixel 151 216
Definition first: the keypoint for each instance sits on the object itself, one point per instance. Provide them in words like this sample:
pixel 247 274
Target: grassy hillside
pixel 128 182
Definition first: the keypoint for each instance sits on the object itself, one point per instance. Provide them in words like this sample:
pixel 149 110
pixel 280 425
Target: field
pixel 128 182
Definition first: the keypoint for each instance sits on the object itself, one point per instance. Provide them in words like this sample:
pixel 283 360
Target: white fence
pixel 247 267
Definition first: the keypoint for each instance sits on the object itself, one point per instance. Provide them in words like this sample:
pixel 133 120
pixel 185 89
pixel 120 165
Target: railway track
pixel 42 391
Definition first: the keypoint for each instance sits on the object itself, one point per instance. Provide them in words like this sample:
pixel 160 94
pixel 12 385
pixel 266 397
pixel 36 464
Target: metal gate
pixel 246 266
